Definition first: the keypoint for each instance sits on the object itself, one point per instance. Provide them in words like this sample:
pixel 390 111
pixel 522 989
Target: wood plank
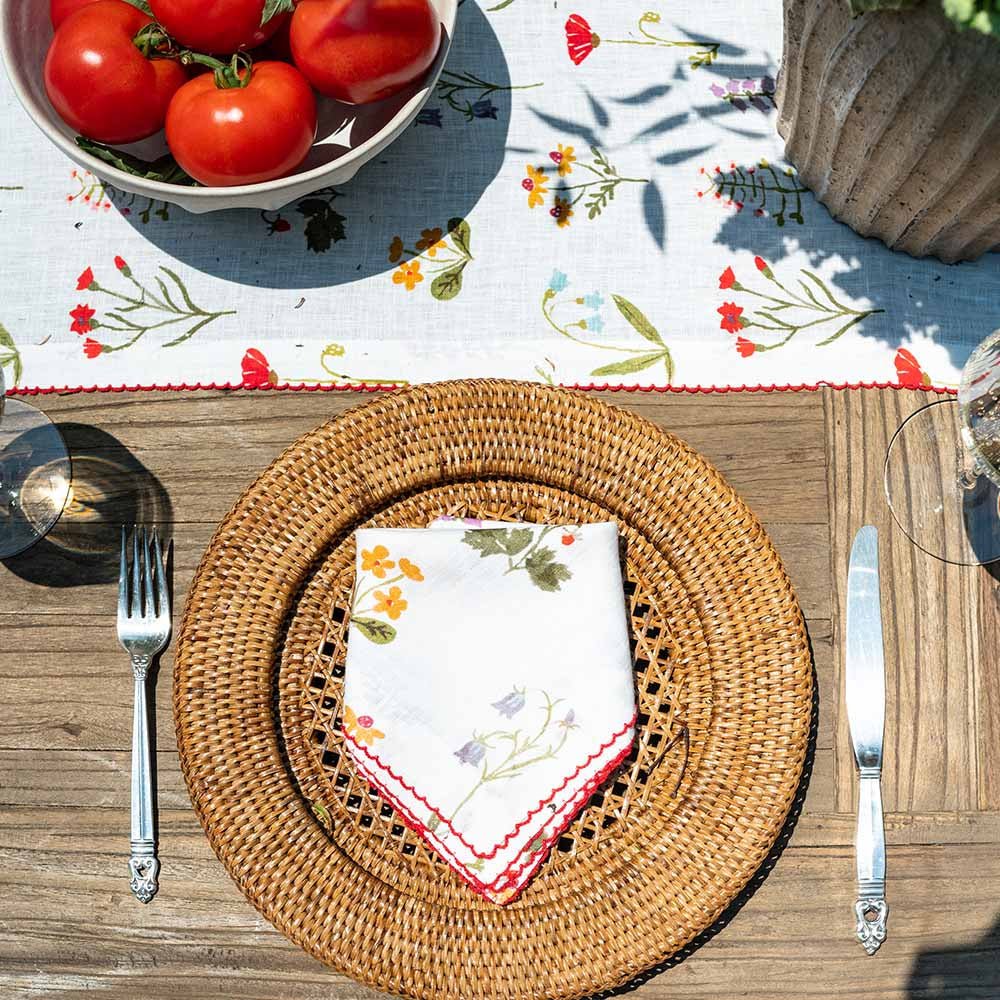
pixel 798 921
pixel 930 618
pixel 987 686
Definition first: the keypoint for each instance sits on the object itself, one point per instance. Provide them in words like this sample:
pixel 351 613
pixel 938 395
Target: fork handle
pixel 144 867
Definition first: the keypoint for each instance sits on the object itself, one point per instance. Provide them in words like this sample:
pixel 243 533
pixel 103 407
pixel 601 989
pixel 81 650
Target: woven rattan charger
pixel 722 667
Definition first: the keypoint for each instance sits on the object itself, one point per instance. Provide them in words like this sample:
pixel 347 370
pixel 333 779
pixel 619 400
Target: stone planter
pixel 893 121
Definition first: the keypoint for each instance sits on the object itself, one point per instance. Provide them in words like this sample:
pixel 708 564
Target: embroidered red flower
pixel 745 347
pixel 92 348
pixel 81 319
pixel 727 278
pixel 731 313
pixel 909 372
pixel 762 266
pixel 365 721
pixel 256 370
pixel 280 226
pixel 85 280
pixel 568 539
pixel 120 263
pixel 580 40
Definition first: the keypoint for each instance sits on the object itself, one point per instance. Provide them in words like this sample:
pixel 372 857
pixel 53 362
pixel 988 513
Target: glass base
pixel 935 496
pixel 35 476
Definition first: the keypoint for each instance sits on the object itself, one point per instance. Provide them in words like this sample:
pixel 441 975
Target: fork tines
pixel 147 598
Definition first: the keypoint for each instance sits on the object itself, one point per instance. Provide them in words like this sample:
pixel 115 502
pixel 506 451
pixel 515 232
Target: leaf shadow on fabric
pixel 600 135
pixel 110 488
pixel 756 880
pixel 437 170
pixel 917 297
pixel 968 970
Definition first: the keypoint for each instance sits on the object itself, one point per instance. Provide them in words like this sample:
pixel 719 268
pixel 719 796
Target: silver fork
pixel 143 630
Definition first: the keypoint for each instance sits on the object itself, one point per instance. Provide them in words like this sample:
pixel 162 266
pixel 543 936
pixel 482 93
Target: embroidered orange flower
pixel 408 274
pixel 391 604
pixel 564 157
pixel 561 212
pixel 376 561
pixel 410 571
pixel 431 241
pixel 361 728
pixel 535 184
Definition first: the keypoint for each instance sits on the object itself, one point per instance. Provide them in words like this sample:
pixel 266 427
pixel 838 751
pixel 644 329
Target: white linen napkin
pixel 488 685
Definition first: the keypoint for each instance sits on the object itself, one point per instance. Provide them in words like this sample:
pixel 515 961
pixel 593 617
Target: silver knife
pixel 866 716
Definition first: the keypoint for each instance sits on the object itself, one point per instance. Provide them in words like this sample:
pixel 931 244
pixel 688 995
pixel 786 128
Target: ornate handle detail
pixel 143 864
pixel 871 909
pixel 872 915
pixel 144 869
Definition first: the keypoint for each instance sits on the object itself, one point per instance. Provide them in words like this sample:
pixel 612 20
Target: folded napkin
pixel 488 685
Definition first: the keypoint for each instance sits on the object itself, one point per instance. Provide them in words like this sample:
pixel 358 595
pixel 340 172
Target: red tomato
pixel 215 25
pixel 243 135
pixel 59 10
pixel 100 83
pixel 363 50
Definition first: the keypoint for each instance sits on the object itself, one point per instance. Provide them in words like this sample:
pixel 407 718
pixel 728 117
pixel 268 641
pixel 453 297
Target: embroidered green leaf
pixel 447 285
pixel 535 846
pixel 12 356
pixel 461 234
pixel 321 813
pixel 274 7
pixel 545 572
pixel 517 540
pixel 631 365
pixel 487 541
pixel 637 320
pixel 324 226
pixel 371 628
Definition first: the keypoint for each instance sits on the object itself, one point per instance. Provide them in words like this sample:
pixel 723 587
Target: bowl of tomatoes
pixel 216 104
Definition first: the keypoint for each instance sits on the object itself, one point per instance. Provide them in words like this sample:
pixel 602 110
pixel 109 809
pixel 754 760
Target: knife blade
pixel 865 696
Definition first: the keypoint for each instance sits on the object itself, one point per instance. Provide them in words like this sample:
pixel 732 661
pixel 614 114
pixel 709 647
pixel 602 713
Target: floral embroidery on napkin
pixel 524 749
pixel 389 601
pixel 361 728
pixel 524 551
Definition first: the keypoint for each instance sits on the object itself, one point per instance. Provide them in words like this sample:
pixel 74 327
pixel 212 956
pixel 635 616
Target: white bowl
pixel 348 135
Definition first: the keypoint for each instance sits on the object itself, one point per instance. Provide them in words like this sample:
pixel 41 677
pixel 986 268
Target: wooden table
pixel 808 463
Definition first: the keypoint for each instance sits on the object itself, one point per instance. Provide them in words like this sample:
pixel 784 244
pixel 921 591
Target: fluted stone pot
pixel 892 119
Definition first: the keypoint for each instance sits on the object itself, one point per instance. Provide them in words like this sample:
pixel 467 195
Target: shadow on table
pixel 759 876
pixel 110 487
pixel 914 298
pixel 436 171
pixel 970 970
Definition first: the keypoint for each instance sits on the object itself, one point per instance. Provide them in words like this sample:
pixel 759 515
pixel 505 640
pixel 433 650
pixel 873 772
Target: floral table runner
pixel 594 195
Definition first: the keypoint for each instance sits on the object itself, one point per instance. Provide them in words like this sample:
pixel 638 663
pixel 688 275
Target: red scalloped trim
pixel 363 387
pixel 351 741
pixel 511 874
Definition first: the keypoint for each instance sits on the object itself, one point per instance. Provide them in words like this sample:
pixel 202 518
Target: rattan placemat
pixel 722 668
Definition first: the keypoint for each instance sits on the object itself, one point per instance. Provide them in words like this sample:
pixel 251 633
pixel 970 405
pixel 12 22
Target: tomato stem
pixel 227 74
pixel 154 43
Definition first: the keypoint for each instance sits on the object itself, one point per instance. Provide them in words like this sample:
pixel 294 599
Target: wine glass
pixel 35 474
pixel 942 469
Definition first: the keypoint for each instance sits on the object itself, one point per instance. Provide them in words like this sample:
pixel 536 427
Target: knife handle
pixel 871 909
